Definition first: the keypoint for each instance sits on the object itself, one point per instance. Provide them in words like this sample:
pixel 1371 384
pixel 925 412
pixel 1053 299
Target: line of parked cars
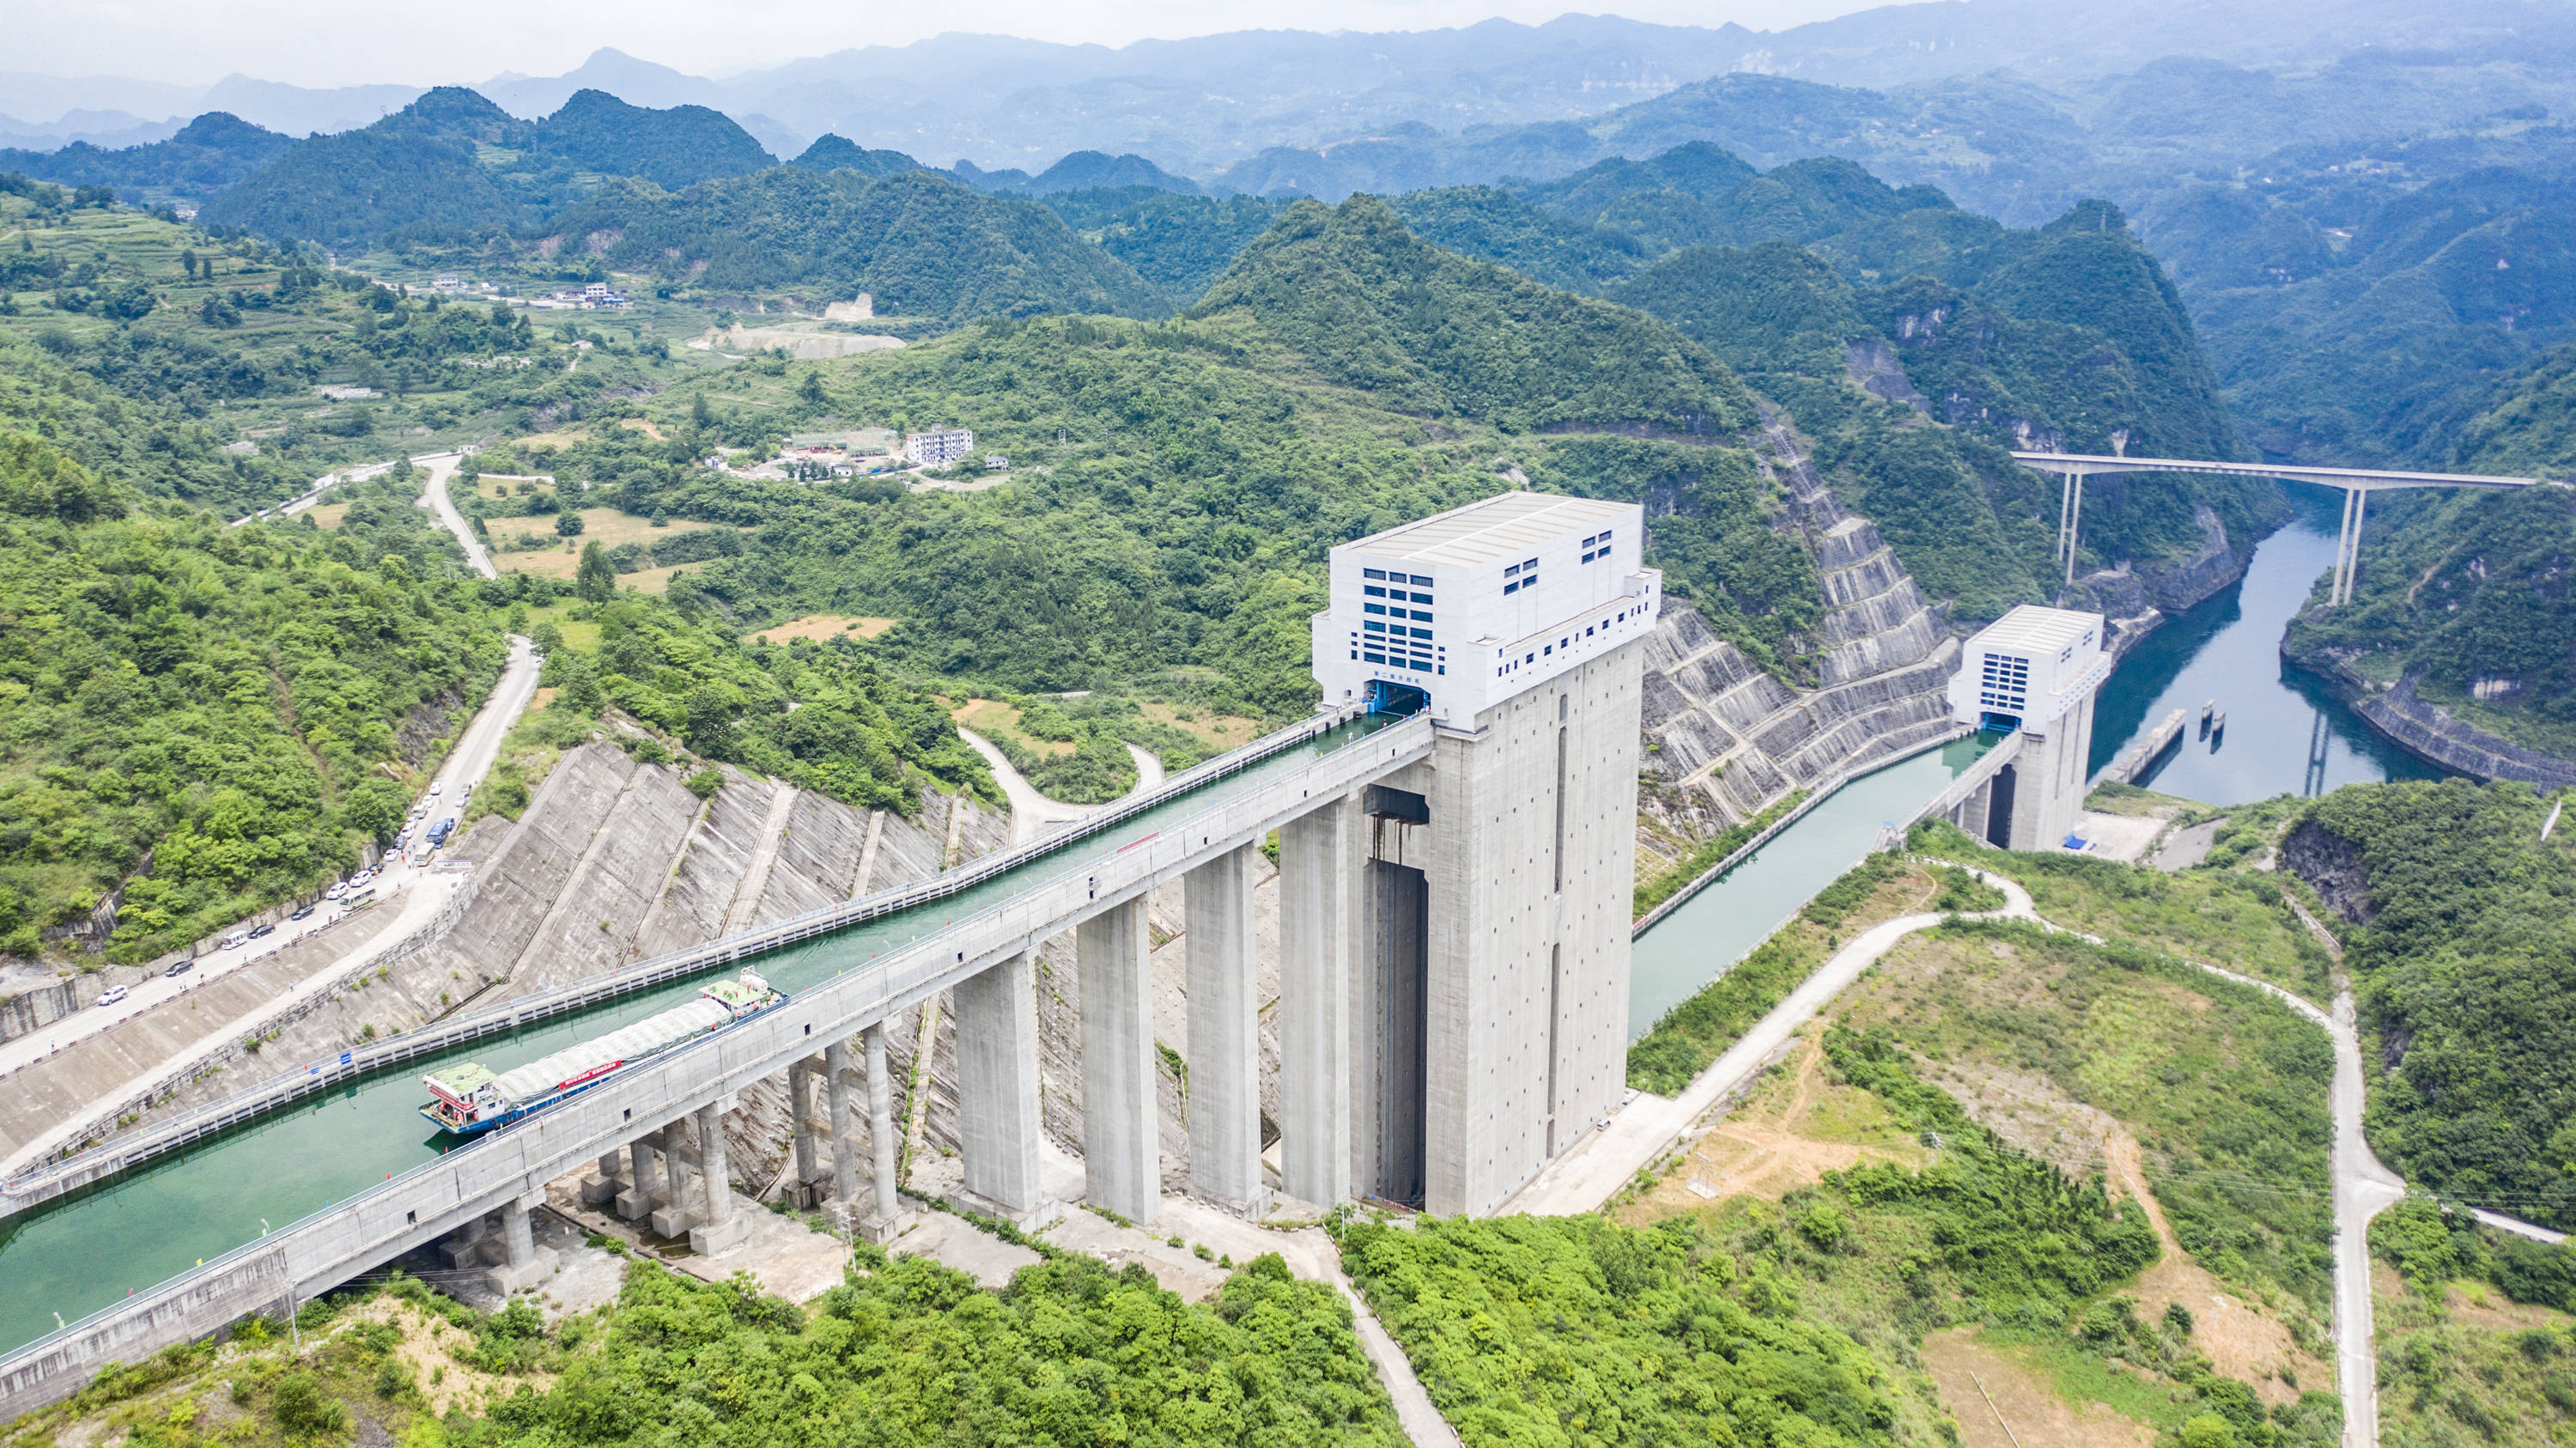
pixel 357 890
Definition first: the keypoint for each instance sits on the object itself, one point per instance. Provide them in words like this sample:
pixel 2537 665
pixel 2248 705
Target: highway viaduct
pixel 2357 485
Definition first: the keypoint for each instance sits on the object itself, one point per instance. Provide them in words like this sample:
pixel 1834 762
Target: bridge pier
pixel 845 1122
pixel 805 1132
pixel 1121 1119
pixel 1224 1083
pixel 888 1218
pixel 997 1092
pixel 1318 866
pixel 672 1217
pixel 601 1190
pixel 636 1202
pixel 720 1227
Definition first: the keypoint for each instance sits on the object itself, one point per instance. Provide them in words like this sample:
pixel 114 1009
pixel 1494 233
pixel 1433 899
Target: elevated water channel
pixel 86 1251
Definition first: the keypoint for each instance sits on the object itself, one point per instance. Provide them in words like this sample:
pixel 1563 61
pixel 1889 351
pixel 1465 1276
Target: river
pixel 2287 734
pixel 2286 731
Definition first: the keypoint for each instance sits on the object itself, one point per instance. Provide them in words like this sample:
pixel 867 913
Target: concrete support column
pixel 602 1189
pixel 881 1122
pixel 518 1237
pixel 845 1122
pixel 722 1228
pixel 645 1166
pixel 1318 920
pixel 1225 1054
pixel 1121 1147
pixel 997 1087
pixel 672 1217
pixel 800 1112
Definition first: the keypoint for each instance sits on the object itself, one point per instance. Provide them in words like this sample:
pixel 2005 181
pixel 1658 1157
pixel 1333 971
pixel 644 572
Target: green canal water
pixel 86 1251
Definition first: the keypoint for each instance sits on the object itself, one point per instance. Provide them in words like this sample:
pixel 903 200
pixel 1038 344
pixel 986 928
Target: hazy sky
pixel 356 41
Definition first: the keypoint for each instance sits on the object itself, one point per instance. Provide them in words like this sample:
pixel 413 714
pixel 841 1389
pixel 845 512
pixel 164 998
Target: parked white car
pixel 338 889
pixel 112 995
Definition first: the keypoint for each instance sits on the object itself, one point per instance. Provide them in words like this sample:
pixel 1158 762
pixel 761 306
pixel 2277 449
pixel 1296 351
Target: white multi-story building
pixel 1483 602
pixel 2032 674
pixel 939 447
pixel 2027 669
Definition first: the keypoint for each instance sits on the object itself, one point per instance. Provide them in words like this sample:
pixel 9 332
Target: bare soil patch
pixel 991 717
pixel 327 515
pixel 820 626
pixel 1987 1388
pixel 1224 731
pixel 1799 1125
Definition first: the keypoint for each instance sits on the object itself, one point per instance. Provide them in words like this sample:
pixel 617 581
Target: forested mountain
pixel 412 176
pixel 923 245
pixel 1360 299
pixel 832 153
pixel 670 148
pixel 1179 243
pixel 206 155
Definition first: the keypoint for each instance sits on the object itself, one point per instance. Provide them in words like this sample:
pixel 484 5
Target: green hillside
pixel 834 153
pixel 207 705
pixel 2461 956
pixel 206 155
pixel 1364 302
pixel 370 187
pixel 1179 243
pixel 671 148
pixel 1487 222
pixel 923 245
pixel 2463 592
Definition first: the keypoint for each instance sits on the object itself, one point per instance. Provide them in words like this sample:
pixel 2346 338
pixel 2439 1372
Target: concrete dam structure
pixel 1452 890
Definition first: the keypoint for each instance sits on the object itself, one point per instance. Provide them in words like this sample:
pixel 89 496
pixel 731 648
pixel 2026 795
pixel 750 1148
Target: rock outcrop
pixel 2435 733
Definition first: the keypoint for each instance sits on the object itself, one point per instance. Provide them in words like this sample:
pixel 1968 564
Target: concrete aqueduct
pixel 1453 966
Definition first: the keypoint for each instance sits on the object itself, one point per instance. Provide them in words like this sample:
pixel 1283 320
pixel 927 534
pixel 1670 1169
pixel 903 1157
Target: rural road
pixel 1031 812
pixel 433 496
pixel 1642 1131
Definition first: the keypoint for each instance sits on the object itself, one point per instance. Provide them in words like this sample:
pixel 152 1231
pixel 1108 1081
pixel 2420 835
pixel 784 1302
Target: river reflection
pixel 2286 732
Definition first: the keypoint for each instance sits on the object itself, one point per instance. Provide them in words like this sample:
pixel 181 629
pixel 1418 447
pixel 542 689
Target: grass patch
pixel 2232 918
pixel 1700 1029
pixel 1708 855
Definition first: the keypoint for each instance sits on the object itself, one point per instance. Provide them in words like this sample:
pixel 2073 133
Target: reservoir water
pixel 2286 731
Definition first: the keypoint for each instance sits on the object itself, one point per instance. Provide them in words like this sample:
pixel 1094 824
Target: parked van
pixel 362 897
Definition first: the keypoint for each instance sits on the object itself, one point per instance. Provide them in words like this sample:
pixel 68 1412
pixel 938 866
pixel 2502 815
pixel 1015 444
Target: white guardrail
pixel 415 1207
pixel 80 1166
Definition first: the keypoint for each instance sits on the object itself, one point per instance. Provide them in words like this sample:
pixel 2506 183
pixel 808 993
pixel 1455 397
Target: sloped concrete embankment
pixel 1725 739
pixel 612 861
